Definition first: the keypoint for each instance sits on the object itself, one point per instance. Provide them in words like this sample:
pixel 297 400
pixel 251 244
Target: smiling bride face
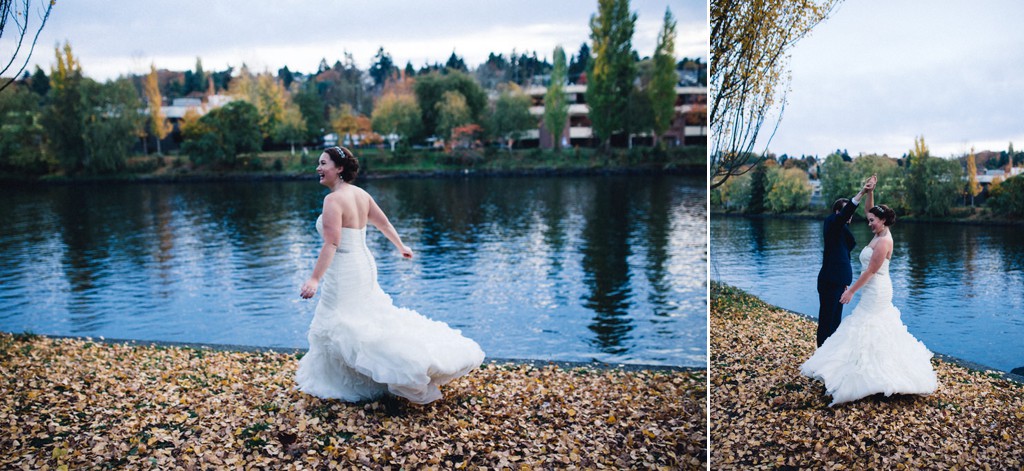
pixel 875 223
pixel 328 171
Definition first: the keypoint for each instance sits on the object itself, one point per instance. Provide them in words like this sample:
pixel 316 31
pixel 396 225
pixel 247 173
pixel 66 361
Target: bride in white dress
pixel 872 352
pixel 360 344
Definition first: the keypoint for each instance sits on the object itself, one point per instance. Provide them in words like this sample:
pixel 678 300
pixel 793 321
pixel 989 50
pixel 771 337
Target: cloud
pixel 121 36
pixel 877 74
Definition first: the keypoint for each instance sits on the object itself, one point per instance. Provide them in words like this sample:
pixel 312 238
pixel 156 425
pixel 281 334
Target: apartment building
pixel 689 127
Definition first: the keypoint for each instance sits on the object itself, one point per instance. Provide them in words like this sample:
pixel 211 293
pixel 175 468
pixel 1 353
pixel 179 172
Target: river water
pixel 607 268
pixel 960 288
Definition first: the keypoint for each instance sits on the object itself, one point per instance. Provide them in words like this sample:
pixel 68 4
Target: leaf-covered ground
pixel 765 415
pixel 71 404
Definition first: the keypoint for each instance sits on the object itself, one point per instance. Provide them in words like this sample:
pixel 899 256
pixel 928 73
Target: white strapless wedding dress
pixel 872 352
pixel 361 345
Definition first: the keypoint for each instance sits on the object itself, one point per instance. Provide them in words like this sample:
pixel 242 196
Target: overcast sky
pixel 878 73
pixel 114 37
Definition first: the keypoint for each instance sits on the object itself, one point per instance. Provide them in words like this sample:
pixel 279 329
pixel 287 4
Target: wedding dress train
pixel 361 345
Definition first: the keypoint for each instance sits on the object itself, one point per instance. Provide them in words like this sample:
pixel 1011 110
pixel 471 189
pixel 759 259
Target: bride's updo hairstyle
pixel 344 160
pixel 885 213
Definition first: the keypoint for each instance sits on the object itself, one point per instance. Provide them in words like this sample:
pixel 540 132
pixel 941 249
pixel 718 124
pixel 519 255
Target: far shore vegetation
pixel 382 163
pixel 514 112
pixel 979 187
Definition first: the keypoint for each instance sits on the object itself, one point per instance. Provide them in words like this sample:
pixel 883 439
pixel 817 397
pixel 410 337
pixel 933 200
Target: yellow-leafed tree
pixel 973 187
pixel 159 127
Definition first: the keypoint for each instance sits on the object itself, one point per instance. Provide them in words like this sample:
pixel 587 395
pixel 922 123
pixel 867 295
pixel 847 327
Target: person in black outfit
pixel 836 272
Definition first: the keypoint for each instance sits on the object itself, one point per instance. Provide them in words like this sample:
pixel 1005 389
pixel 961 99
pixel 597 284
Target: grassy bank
pixel 377 162
pixel 69 404
pixel 765 415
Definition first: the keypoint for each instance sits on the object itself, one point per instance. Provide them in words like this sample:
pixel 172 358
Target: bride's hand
pixel 309 288
pixel 846 297
pixel 406 251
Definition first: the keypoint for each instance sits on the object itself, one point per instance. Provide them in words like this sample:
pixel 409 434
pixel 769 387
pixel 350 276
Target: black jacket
pixel 839 242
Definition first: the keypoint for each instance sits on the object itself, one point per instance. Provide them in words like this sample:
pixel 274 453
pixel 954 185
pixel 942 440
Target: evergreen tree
pixel 579 63
pixel 285 76
pixel 758 189
pixel 382 68
pixel 610 80
pixel 40 83
pixel 410 71
pixel 455 63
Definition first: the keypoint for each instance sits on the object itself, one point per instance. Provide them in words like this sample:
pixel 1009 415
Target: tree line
pixel 66 122
pixel 917 183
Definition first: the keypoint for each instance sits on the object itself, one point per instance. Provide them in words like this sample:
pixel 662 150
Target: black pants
pixel 830 311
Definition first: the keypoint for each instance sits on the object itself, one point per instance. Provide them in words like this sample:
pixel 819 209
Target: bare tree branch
pixel 19 12
pixel 750 43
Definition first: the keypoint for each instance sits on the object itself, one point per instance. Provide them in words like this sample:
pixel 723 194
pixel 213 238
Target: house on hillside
pixel 176 111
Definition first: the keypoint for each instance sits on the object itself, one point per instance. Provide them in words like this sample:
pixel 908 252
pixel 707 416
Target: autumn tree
pixel 610 79
pixel 20 13
pixel 345 122
pixel 266 93
pixel 750 44
pixel 159 127
pixel 511 117
pixel 789 189
pixel 556 104
pixel 973 187
pixel 662 89
pixel 452 112
pixel 397 116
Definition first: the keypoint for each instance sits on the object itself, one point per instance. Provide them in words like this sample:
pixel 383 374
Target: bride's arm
pixel 877 258
pixel 381 222
pixel 332 237
pixel 869 201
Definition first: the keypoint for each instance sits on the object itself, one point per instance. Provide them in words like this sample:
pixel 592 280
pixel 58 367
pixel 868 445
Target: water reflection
pixel 606 250
pixel 605 268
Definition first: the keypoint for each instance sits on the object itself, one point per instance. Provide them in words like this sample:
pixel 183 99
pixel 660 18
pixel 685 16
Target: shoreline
pixel 533 362
pixel 243 176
